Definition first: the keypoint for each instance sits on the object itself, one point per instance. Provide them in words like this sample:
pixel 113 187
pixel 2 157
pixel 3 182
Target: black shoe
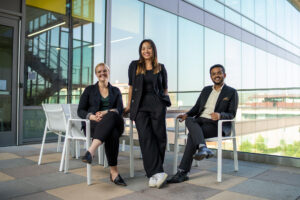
pixel 118 180
pixel 179 177
pixel 87 158
pixel 202 153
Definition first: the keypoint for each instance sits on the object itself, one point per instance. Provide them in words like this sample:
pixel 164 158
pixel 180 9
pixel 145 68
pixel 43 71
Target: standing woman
pixel 147 101
pixel 102 104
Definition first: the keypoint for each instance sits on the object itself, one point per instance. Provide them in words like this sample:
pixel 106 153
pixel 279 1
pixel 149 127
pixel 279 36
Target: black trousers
pixel 199 129
pixel 109 130
pixel 151 126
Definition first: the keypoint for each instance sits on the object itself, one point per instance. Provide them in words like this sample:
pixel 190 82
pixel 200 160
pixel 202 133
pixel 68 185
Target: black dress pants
pixel 199 129
pixel 151 126
pixel 109 130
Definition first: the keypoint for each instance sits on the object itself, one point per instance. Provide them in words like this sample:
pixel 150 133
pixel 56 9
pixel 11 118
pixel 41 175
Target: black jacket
pixel 226 105
pixel 136 81
pixel 90 100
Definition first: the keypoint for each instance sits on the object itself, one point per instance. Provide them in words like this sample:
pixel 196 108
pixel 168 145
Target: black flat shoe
pixel 179 177
pixel 118 180
pixel 87 158
pixel 202 153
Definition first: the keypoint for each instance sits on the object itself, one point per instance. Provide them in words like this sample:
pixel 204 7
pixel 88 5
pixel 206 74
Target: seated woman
pixel 102 104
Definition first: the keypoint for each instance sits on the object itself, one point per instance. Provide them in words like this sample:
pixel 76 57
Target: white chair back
pixel 75 125
pixel 56 119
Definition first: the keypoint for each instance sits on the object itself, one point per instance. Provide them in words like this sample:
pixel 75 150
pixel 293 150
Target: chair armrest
pixel 87 122
pixel 80 120
pixel 220 122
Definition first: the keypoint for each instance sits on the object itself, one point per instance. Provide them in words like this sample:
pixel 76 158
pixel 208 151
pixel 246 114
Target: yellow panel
pixel 58 6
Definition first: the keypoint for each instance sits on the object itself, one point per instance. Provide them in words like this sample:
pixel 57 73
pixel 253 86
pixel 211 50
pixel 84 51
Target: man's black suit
pixel 201 128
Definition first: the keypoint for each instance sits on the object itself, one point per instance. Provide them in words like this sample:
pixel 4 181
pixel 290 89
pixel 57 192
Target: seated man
pixel 215 102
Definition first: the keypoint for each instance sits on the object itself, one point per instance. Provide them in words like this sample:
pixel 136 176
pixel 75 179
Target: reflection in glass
pixel 126 35
pixel 213 52
pixel 261 69
pixel 190 56
pixel 233 62
pixel 6 58
pixel 232 13
pixel 214 7
pixel 47 48
pixel 161 27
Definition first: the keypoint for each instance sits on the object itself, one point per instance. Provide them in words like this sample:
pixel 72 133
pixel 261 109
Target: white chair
pixel 75 133
pixel 217 139
pixel 55 123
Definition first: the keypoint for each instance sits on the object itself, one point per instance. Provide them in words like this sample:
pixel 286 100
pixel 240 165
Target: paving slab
pixel 73 164
pixel 180 191
pixel 226 195
pixel 97 190
pixel 29 171
pixel 287 169
pixel 209 179
pixel 17 162
pixel 244 170
pixel 39 195
pixel 54 180
pixel 46 158
pixel 284 177
pixel 14 188
pixel 268 190
pixel 8 156
pixel 5 177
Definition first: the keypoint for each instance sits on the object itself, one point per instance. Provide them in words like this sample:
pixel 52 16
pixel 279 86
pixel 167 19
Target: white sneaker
pixel 160 179
pixel 152 182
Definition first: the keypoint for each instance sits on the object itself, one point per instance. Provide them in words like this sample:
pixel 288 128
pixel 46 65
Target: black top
pixel 148 82
pixel 104 103
pixel 91 102
pixel 159 84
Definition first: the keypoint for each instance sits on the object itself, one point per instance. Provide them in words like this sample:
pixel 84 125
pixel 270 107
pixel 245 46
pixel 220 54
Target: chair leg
pixel 195 163
pixel 168 144
pixel 101 154
pixel 219 173
pixel 77 149
pixel 131 157
pixel 67 155
pixel 235 155
pixel 175 147
pixel 58 144
pixel 123 145
pixel 89 166
pixel 43 143
pixel 62 158
pixel 105 162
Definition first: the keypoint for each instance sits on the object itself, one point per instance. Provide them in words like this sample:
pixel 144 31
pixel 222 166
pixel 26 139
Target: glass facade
pixel 265 75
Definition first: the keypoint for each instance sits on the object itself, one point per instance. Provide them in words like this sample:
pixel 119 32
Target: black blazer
pixel 136 81
pixel 90 100
pixel 226 105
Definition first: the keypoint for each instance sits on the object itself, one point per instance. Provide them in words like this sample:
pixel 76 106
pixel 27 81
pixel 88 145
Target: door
pixel 8 81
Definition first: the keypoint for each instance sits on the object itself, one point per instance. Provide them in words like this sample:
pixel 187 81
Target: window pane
pixel 190 56
pixel 214 51
pixel 261 69
pixel 233 62
pixel 248 66
pixel 161 27
pixel 126 35
pixel 214 7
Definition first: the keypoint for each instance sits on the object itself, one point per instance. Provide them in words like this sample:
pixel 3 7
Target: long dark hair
pixel 141 68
